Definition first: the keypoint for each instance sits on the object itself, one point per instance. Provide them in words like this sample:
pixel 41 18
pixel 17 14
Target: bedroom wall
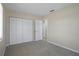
pixel 63 27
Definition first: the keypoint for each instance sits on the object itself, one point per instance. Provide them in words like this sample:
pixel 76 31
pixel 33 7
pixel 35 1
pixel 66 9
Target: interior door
pixel 38 29
pixel 20 30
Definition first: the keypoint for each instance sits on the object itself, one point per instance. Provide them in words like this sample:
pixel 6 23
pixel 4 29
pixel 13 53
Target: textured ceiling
pixel 39 9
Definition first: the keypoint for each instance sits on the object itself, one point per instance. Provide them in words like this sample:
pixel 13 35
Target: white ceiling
pixel 39 9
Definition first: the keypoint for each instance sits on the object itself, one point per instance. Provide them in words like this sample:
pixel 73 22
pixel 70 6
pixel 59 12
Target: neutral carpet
pixel 37 48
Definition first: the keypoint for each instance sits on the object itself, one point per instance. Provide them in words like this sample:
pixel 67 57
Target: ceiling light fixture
pixel 51 10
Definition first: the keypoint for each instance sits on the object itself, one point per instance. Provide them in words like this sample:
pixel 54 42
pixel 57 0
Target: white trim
pixel 63 47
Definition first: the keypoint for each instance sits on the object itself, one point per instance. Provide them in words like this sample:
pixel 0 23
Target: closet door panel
pixel 19 31
pixel 27 31
pixel 13 31
pixel 38 30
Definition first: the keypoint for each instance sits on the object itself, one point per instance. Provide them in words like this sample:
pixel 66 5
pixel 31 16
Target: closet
pixel 25 30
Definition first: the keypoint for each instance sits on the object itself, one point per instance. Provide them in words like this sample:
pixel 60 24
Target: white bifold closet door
pixel 38 29
pixel 20 30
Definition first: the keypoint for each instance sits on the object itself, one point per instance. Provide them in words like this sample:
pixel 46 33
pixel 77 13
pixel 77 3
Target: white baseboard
pixel 64 47
pixel 20 43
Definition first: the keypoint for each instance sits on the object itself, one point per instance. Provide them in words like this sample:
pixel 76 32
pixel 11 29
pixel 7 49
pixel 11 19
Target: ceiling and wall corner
pixel 36 9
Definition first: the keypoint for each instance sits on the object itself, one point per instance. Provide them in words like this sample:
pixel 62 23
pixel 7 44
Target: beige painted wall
pixel 63 27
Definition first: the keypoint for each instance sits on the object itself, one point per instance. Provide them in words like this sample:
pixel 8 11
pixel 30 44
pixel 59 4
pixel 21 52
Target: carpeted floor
pixel 37 48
